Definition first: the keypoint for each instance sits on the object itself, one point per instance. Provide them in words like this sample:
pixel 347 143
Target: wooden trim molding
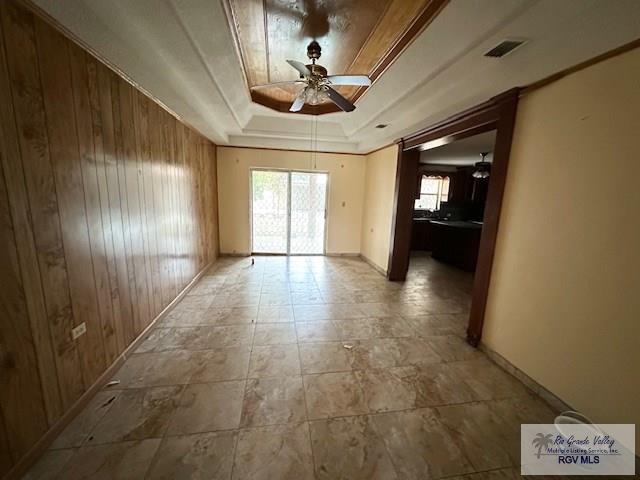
pixel 580 66
pixel 403 201
pixel 423 19
pixel 498 113
pixel 430 12
pixel 22 467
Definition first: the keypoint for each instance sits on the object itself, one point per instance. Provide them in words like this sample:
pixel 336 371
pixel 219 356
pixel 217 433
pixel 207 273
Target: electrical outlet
pixel 79 331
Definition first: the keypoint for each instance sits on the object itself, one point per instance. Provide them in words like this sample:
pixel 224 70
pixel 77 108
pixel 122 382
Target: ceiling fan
pixel 318 85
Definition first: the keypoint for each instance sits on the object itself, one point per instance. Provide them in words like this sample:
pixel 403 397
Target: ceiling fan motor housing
pixel 317 70
pixel 314 51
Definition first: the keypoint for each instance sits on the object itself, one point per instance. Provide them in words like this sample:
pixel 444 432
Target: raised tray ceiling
pixel 356 36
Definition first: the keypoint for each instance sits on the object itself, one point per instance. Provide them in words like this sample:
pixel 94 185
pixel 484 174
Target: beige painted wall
pixel 346 192
pixel 378 205
pixel 564 301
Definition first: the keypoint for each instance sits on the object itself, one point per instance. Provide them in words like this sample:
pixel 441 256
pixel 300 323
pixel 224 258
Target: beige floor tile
pixel 362 329
pixel 386 389
pixel 243 300
pixel 306 297
pixel 226 336
pixel 420 445
pixel 378 309
pixel 156 369
pixel 321 331
pixel 275 314
pixel 334 297
pixel 502 474
pixel 162 339
pixel 123 460
pixel 326 357
pixel 80 427
pixel 270 401
pixel 392 352
pixel 193 304
pixel 277 288
pixel 207 407
pixel 227 316
pixel 50 465
pixel 275 334
pixel 253 350
pixel 516 411
pixel 312 313
pixel 275 299
pixel 136 415
pixel 488 381
pixel 274 361
pixel 197 338
pixel 411 351
pixel 171 319
pixel 347 311
pixel 198 456
pixel 280 452
pixel 230 363
pixel 334 395
pixel 436 384
pixel 434 325
pixel 452 348
pixel 470 425
pixel 349 448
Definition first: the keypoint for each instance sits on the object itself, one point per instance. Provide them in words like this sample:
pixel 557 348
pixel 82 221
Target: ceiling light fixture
pixel 482 167
pixel 382 125
pixel 318 86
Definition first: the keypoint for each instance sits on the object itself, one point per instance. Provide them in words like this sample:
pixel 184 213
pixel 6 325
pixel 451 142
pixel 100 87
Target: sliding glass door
pixel 270 211
pixel 308 207
pixel 288 210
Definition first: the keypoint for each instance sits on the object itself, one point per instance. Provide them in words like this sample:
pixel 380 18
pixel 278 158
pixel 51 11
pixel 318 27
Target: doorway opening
pixel 288 212
pixel 497 114
pixel 453 181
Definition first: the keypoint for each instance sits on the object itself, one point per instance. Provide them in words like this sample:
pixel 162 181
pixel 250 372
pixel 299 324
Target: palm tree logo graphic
pixel 542 441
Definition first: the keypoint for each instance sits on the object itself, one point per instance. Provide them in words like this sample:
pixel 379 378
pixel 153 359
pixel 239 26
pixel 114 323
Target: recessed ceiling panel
pixel 356 36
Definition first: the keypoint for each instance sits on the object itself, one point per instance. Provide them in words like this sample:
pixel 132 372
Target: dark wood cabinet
pixel 456 243
pixel 420 236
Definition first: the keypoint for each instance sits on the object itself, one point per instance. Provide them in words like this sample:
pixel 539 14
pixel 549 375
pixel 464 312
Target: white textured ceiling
pixel 182 53
pixel 461 152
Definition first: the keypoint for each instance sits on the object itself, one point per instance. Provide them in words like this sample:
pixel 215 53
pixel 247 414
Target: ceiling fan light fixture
pixel 480 174
pixel 319 83
pixel 483 167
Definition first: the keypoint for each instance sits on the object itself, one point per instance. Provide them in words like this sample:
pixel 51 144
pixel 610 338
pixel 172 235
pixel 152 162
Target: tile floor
pixel 300 368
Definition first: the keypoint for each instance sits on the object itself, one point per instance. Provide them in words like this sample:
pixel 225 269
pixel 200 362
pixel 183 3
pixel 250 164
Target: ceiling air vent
pixel 382 125
pixel 504 47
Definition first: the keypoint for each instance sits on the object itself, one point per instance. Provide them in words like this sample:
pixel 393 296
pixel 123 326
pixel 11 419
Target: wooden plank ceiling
pixel 356 36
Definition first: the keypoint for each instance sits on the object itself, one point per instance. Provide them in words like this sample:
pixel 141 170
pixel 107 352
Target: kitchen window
pixel 433 191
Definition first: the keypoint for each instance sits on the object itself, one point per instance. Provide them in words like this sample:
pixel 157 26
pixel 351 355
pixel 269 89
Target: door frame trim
pixel 498 114
pixel 289 171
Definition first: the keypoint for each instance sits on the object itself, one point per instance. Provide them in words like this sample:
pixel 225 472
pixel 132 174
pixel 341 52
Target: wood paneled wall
pixel 108 209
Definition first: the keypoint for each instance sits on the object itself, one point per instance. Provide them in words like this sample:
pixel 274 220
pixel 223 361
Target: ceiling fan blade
pixel 298 103
pixel 339 100
pixel 300 67
pixel 277 84
pixel 358 80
